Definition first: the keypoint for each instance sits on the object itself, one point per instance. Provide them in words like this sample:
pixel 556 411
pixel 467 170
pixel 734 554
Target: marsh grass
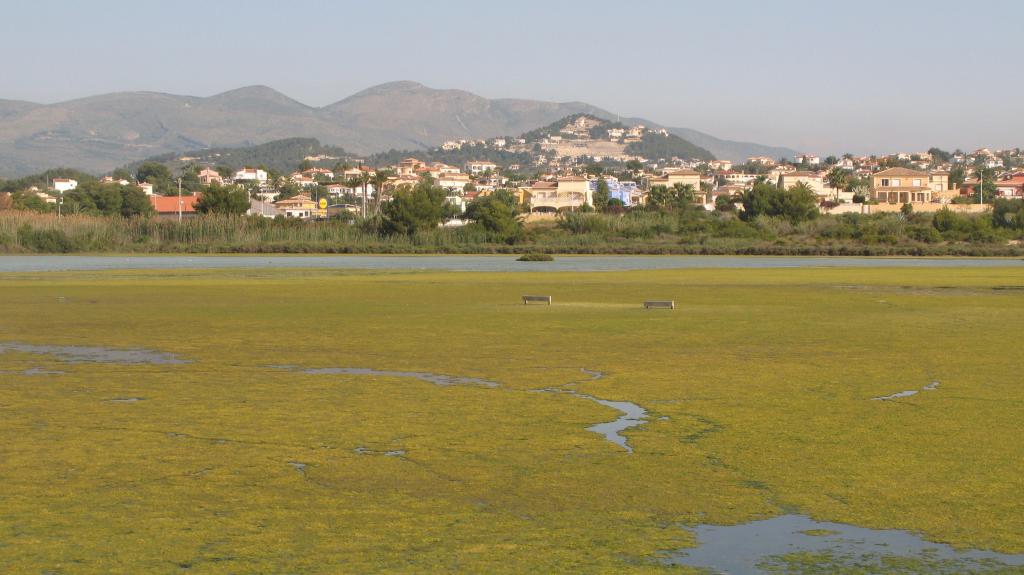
pixel 758 399
pixel 638 232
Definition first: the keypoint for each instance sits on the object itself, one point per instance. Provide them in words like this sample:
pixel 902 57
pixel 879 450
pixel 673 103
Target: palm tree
pixel 360 181
pixel 837 179
pixel 380 179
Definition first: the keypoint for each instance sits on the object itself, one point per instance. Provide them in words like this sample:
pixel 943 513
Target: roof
pixel 801 175
pixel 169 204
pixel 544 184
pixel 901 172
pixel 683 173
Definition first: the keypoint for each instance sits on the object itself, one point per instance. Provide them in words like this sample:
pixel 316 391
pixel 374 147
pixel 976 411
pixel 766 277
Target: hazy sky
pixel 819 76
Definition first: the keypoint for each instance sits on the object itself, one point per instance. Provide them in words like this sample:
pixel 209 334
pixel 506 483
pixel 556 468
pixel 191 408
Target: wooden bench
pixel 527 299
pixel 656 304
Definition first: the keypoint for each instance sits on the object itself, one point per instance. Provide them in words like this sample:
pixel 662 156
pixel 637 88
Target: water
pixel 472 263
pixel 434 378
pixel 757 548
pixel 908 393
pixel 91 354
pixel 632 414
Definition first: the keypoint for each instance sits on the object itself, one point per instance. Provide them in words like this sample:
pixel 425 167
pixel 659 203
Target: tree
pixel 677 197
pixel 496 213
pixel 157 174
pixel 796 204
pixel 837 179
pixel 135 202
pixel 724 204
pixel 1008 214
pixel 601 195
pixel 380 180
pixel 421 207
pixel 218 199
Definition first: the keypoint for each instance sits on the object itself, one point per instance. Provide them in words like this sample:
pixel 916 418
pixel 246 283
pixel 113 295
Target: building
pixel 453 182
pixel 720 164
pixel 300 206
pixel 64 184
pixel 762 160
pixel 478 167
pixel 209 176
pixel 1012 187
pixel 812 180
pixel 170 207
pixel 808 159
pixel 111 180
pixel 902 186
pixel 567 193
pixel 147 188
pixel 677 176
pixel 251 175
pixel 625 191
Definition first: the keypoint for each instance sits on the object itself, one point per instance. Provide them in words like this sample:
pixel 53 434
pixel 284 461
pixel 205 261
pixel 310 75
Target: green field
pixel 758 390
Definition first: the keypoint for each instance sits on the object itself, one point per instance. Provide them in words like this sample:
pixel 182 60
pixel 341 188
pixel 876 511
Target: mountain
pixel 102 132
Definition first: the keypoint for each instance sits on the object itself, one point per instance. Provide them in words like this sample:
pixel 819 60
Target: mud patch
pixel 90 354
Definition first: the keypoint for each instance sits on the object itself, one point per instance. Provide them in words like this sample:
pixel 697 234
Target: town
pixel 581 163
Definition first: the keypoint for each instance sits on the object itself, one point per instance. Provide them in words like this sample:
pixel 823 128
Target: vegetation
pixel 536 258
pixel 280 156
pixel 218 199
pixel 410 227
pixel 755 409
pixel 654 145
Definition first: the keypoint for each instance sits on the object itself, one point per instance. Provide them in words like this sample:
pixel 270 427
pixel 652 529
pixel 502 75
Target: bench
pixel 527 299
pixel 656 304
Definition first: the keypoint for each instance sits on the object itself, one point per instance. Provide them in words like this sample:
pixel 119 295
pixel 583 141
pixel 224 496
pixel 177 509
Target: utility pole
pixel 179 200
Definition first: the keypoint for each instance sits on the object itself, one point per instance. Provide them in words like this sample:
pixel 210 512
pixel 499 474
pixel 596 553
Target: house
pixel 251 175
pixel 902 186
pixel 64 184
pixel 625 191
pixel 453 182
pixel 675 176
pixel 300 206
pixel 762 160
pixel 317 173
pixel 1012 187
pixel 209 176
pixel 111 180
pixel 302 180
pixel 808 159
pixel 147 188
pixel 567 193
pixel 812 180
pixel 408 167
pixel 478 167
pixel 171 207
pixel 720 164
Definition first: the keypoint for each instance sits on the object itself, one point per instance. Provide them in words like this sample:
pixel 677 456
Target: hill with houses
pixel 99 133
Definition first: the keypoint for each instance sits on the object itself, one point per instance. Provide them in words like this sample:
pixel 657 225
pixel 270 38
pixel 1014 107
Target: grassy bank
pixel 758 390
pixel 635 233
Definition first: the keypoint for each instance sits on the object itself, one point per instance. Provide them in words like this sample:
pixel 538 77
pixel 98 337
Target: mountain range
pixel 100 133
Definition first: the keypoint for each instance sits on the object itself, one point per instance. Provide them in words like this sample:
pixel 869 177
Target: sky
pixel 818 76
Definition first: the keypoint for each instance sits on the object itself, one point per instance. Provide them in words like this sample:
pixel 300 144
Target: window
pixel 896 183
pixel 885 182
pixel 917 182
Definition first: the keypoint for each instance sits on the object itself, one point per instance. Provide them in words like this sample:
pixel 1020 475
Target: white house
pixel 251 174
pixel 147 188
pixel 64 184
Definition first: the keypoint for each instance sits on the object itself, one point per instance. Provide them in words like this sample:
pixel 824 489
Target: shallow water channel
pixel 93 354
pixel 761 547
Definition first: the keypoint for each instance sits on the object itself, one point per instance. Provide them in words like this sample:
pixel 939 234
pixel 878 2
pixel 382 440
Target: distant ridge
pixel 99 133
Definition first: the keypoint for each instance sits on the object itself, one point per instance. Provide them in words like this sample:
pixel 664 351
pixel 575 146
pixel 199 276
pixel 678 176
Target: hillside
pixel 102 132
pixel 278 155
